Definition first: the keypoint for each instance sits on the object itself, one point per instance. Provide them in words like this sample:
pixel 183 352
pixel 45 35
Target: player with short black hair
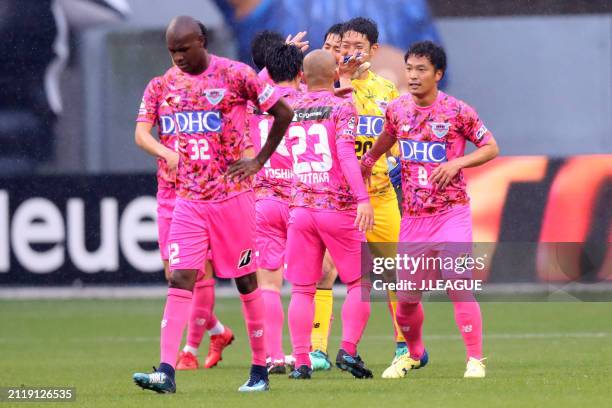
pixel 261 45
pixel 364 26
pixel 272 187
pixel 432 51
pixel 432 129
pixel 284 63
pixel 332 38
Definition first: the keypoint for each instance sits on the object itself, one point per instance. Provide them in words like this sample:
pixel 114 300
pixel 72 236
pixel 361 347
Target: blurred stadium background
pixel 77 199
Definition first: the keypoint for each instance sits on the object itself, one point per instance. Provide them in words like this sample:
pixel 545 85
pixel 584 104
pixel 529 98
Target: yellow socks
pixel 399 337
pixel 324 304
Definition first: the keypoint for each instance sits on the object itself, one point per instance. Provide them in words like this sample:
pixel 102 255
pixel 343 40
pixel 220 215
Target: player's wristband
pixel 367 160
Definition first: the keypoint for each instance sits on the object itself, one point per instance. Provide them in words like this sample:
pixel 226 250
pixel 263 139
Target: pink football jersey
pixel 210 123
pixel 274 180
pixel 321 140
pixel 156 110
pixel 427 138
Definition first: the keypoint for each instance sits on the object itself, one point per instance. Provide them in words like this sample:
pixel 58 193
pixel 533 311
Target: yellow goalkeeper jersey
pixel 371 97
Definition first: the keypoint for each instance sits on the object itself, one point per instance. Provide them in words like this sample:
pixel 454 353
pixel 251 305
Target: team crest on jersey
pixel 214 96
pixel 440 129
pixel 245 258
pixel 171 100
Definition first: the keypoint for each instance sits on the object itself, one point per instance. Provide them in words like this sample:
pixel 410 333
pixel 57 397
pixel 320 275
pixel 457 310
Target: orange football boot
pixel 187 361
pixel 218 342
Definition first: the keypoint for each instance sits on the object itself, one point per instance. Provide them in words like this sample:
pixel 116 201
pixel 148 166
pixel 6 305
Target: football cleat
pixel 258 380
pixel 402 364
pixel 187 361
pixel 475 368
pixel 218 342
pixel 353 365
pixel 303 372
pixel 399 351
pixel 320 361
pixel 277 367
pixel 290 362
pixel 156 381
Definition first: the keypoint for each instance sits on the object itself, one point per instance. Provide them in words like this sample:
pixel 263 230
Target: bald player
pixel 330 209
pixel 208 96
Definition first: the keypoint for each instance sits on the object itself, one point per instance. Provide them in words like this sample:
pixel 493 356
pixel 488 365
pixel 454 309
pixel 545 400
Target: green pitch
pixel 539 354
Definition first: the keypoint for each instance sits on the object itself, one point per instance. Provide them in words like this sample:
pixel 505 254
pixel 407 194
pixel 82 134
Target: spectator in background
pixel 400 22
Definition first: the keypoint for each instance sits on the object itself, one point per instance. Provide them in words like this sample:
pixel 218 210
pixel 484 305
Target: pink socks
pixel 301 315
pixel 202 316
pixel 253 310
pixel 176 314
pixel 273 324
pixel 469 322
pixel 467 316
pixel 355 316
pixel 410 317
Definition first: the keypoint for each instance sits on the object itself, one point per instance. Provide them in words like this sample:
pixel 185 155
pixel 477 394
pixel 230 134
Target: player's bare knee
pixel 247 283
pixel 183 279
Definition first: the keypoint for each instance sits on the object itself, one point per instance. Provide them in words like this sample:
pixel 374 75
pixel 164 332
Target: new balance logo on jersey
pixel 245 258
pixel 314 113
pixel 423 152
pixel 257 333
pixel 191 122
pixel 370 125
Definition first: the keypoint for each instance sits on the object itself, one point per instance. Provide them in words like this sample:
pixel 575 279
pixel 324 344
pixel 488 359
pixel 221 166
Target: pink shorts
pixel 271 218
pixel 310 232
pixel 454 225
pixel 443 236
pixel 165 207
pixel 225 227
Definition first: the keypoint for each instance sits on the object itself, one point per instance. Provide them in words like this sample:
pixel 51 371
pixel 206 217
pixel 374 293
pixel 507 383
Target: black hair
pixel 284 62
pixel 204 31
pixel 434 53
pixel 363 26
pixel 336 29
pixel 261 45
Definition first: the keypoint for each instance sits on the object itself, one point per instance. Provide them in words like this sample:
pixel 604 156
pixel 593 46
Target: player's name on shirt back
pixel 275 179
pixel 321 121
